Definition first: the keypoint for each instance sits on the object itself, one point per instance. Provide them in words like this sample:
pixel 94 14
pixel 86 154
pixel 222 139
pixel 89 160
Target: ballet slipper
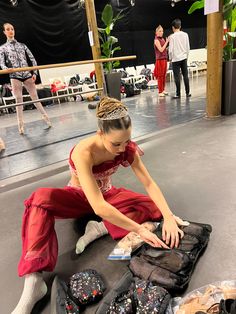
pixel 47 120
pixel 21 127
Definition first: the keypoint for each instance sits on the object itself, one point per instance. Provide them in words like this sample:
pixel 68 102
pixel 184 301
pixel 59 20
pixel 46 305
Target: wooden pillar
pixel 96 51
pixel 214 63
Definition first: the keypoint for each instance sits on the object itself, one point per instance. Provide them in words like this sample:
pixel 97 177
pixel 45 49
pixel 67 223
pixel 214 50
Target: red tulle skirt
pixel 39 240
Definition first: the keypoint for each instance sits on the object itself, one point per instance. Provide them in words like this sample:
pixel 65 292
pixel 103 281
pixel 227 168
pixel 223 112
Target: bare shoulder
pixel 83 150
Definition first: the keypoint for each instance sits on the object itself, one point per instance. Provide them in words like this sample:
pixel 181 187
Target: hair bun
pixel 107 105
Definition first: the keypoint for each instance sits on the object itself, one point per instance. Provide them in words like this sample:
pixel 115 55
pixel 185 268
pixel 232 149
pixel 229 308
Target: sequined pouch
pixel 143 297
pixel 150 298
pixel 86 287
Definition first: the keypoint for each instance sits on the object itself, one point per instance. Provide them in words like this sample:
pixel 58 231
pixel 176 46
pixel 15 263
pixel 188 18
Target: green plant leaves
pixel 107 15
pixel 108 41
pixel 195 6
pixel 233 20
pixel 229 14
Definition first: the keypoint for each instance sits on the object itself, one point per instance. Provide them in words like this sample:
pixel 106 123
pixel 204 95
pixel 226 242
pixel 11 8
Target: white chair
pixel 72 88
pixel 131 71
pixel 134 77
pixel 124 79
pixel 61 91
pixel 8 101
pixel 192 68
pixel 169 72
pixel 83 77
pixel 139 69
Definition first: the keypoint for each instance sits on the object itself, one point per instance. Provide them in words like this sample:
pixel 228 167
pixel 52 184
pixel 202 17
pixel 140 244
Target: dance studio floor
pixel 41 147
pixel 191 158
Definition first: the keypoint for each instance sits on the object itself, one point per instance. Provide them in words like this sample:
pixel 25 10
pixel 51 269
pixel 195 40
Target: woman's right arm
pixel 84 163
pixel 3 60
pixel 158 45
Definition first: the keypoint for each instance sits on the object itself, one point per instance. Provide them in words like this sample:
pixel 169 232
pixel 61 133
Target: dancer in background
pixel 160 70
pixel 92 162
pixel 17 55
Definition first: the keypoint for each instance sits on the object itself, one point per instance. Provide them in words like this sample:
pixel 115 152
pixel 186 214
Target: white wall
pixel 197 55
pixel 46 74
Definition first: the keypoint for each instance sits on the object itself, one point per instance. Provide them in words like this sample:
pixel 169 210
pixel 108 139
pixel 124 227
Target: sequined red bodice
pixel 102 173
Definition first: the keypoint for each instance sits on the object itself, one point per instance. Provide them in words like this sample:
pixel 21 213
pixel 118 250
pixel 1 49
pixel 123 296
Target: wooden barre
pixel 60 65
pixel 49 98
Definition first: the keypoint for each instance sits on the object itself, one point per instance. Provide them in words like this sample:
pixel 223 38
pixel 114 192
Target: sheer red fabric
pixel 39 240
pixel 160 74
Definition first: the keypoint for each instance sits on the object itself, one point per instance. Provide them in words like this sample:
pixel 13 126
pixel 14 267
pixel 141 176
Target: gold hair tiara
pixel 118 113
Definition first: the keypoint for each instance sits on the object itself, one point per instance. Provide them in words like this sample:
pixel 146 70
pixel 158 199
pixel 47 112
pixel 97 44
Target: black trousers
pixel 177 66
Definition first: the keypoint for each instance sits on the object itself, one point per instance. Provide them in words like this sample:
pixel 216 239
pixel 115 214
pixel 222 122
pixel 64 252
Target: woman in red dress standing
pixel 92 162
pixel 160 70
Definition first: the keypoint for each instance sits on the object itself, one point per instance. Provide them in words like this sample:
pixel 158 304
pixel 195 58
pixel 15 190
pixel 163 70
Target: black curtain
pixel 56 30
pixel 136 31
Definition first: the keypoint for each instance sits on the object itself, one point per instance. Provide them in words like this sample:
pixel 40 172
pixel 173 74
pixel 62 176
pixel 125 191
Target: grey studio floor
pixel 191 158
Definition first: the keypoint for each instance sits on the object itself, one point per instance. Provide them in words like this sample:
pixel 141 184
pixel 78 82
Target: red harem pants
pixel 160 74
pixel 39 240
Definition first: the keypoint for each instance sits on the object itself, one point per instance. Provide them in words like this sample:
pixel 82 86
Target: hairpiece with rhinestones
pixel 118 113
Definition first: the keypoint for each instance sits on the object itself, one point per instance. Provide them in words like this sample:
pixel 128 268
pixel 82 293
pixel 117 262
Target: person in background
pixel 92 162
pixel 160 70
pixel 17 55
pixel 178 55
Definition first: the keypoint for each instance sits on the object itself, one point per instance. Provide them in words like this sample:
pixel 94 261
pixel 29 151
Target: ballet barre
pixel 59 65
pixel 49 98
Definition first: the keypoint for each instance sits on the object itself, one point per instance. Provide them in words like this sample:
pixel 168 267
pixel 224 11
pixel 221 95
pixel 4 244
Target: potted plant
pixel 229 63
pixel 109 45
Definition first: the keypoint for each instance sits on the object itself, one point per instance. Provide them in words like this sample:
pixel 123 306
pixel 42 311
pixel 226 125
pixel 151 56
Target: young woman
pixel 92 163
pixel 160 70
pixel 16 55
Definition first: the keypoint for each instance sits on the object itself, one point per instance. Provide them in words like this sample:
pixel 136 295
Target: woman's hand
pixel 181 222
pixel 150 238
pixel 171 233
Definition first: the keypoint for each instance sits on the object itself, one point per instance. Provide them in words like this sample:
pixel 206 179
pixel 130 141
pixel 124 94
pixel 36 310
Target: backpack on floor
pixel 128 89
pixel 73 81
pixel 147 73
pixel 123 73
pixel 142 84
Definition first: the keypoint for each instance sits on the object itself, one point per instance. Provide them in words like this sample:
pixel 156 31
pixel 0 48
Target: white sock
pixel 34 289
pixel 94 230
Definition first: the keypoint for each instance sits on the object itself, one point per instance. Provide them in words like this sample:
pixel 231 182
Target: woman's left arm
pixel 170 231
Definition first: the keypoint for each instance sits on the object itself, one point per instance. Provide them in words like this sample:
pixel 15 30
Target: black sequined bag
pixel 143 297
pixel 150 298
pixel 86 287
